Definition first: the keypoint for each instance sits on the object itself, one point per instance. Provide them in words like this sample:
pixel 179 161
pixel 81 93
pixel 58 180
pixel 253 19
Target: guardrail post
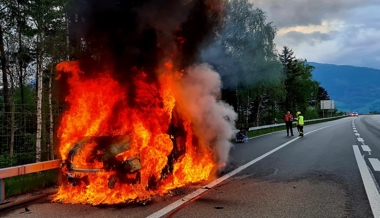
pixel 2 191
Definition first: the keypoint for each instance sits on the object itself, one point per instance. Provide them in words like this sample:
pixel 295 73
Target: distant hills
pixel 352 88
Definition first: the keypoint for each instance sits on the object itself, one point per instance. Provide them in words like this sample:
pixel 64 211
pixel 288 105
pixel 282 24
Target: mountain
pixel 351 88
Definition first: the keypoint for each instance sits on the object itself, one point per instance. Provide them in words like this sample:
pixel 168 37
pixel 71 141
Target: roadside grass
pixel 31 182
pixel 265 131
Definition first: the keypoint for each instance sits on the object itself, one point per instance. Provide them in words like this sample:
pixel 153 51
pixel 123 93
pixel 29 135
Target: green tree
pixel 4 8
pixel 321 94
pixel 305 86
pixel 301 89
pixel 291 72
pixel 48 17
pixel 249 65
pixel 33 39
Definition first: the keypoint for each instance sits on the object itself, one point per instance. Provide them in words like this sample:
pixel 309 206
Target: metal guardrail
pixel 53 164
pixel 24 169
pixel 257 128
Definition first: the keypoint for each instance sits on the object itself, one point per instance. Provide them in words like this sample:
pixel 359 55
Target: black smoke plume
pixel 124 35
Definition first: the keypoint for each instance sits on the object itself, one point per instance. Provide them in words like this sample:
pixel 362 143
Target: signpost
pixel 327 104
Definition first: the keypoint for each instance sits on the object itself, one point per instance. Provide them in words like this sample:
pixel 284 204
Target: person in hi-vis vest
pixel 300 123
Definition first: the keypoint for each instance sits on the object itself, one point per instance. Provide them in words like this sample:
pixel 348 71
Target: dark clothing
pixel 300 129
pixel 289 123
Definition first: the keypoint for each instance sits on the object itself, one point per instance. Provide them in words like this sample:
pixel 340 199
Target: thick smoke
pixel 127 37
pixel 142 33
pixel 215 55
pixel 197 97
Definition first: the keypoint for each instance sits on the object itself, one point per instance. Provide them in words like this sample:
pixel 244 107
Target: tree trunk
pixel 51 126
pixel 12 120
pixel 256 109
pixel 13 128
pixel 12 144
pixel 3 61
pixel 39 107
pixel 20 62
pixel 39 114
pixel 258 112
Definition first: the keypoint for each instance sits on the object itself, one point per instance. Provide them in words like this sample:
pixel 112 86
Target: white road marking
pixel 375 163
pixel 366 148
pixel 369 184
pixel 355 130
pixel 198 192
pixel 360 140
pixel 357 134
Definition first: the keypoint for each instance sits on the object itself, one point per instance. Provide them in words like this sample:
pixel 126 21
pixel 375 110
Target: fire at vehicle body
pixel 135 153
pixel 142 118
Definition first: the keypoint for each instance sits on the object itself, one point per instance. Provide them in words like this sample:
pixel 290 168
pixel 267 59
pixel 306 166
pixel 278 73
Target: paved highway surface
pixel 333 171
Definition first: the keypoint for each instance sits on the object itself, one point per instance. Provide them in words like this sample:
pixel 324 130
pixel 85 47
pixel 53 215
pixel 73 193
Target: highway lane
pixel 313 176
pixel 367 129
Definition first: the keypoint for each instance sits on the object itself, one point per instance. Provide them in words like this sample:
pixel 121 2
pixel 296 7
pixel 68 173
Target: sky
pixel 341 32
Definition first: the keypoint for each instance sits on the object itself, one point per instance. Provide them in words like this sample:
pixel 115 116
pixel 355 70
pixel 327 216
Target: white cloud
pixel 324 27
pixel 336 32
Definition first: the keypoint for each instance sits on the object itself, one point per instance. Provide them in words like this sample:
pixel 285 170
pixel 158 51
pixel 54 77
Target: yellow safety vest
pixel 300 120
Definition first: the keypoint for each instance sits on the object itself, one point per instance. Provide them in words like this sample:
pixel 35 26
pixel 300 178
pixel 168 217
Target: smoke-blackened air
pixel 127 35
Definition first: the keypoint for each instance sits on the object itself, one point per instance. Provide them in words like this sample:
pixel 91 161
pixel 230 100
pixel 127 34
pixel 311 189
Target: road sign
pixel 327 104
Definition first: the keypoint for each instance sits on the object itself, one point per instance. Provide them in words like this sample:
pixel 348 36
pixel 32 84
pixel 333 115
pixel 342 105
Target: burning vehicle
pixel 106 151
pixel 116 153
pixel 142 117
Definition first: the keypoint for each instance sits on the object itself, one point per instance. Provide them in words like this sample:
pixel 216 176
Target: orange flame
pixel 98 106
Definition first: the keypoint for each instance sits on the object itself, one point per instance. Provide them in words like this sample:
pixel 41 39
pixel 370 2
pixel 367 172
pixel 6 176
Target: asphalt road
pixel 333 171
